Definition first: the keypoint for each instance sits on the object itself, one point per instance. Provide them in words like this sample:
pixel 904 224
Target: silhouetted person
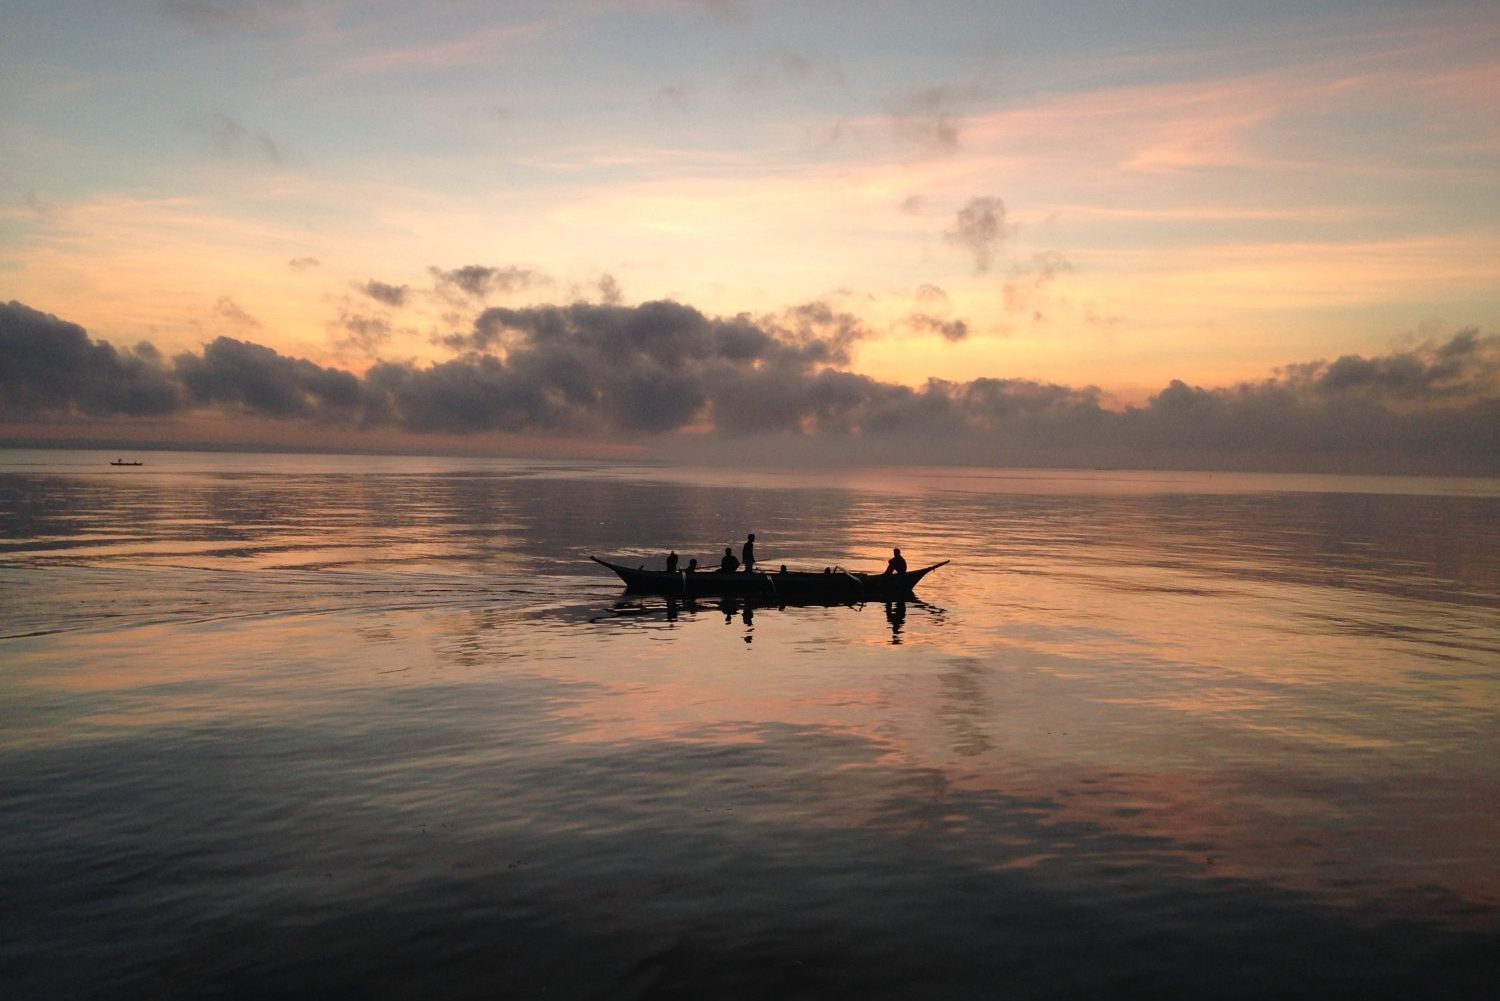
pixel 692 566
pixel 897 563
pixel 672 561
pixel 747 554
pixel 728 564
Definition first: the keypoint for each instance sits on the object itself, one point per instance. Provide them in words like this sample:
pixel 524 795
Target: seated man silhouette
pixel 897 563
pixel 728 564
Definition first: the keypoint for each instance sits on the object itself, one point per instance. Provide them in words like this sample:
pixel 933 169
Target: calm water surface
pixel 289 726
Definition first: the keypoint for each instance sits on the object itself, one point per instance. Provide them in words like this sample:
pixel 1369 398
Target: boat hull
pixel 841 585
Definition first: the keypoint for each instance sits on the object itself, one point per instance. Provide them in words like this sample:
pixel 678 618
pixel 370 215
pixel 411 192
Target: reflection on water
pixel 633 609
pixel 303 726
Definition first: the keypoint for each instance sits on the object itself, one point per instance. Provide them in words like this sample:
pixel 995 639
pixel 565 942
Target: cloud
pixel 1438 401
pixel 215 16
pixel 781 68
pixel 928 117
pixel 609 290
pixel 666 332
pixel 1094 318
pixel 662 367
pixel 952 330
pixel 979 228
pixel 1025 289
pixel 38 205
pixel 50 366
pixel 391 295
pixel 821 333
pixel 466 48
pixel 226 310
pixel 1466 367
pixel 230 138
pixel 365 334
pixel 304 263
pixel 654 367
pixel 478 282
pixel 681 96
pixel 255 379
pixel 931 297
pixel 729 11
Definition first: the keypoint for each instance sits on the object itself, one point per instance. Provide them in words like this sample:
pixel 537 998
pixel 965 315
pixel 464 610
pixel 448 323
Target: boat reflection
pixel 675 609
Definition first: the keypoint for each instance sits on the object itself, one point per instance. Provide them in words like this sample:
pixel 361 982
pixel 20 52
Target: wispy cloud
pixel 366 335
pixel 979 228
pixel 1274 117
pixel 228 137
pixel 214 16
pixel 442 54
pixel 228 312
pixel 390 295
pixel 948 329
pixel 932 118
pixel 479 281
pixel 783 69
pixel 1024 290
pixel 680 96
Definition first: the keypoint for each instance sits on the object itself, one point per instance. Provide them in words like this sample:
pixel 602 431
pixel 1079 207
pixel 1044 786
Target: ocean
pixel 286 726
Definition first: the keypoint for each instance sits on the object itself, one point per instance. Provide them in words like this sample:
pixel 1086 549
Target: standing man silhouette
pixel 747 554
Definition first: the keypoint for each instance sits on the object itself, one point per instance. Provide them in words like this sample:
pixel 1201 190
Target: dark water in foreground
pixel 277 726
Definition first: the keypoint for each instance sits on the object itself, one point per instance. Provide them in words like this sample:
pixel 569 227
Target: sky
pixel 1253 235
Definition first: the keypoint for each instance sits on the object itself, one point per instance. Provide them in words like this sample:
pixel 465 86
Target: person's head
pixel 750 537
pixel 896 551
pixel 728 551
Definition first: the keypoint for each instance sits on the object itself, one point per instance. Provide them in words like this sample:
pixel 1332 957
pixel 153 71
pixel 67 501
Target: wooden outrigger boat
pixel 838 584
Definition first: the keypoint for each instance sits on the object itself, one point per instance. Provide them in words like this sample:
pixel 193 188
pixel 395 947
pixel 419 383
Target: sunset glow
pixel 1074 195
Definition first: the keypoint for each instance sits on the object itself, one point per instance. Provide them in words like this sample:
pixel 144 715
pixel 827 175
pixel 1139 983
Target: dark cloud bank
pixel 776 389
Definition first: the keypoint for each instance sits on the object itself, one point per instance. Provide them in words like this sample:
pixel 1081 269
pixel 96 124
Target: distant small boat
pixel 842 584
pixel 123 462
